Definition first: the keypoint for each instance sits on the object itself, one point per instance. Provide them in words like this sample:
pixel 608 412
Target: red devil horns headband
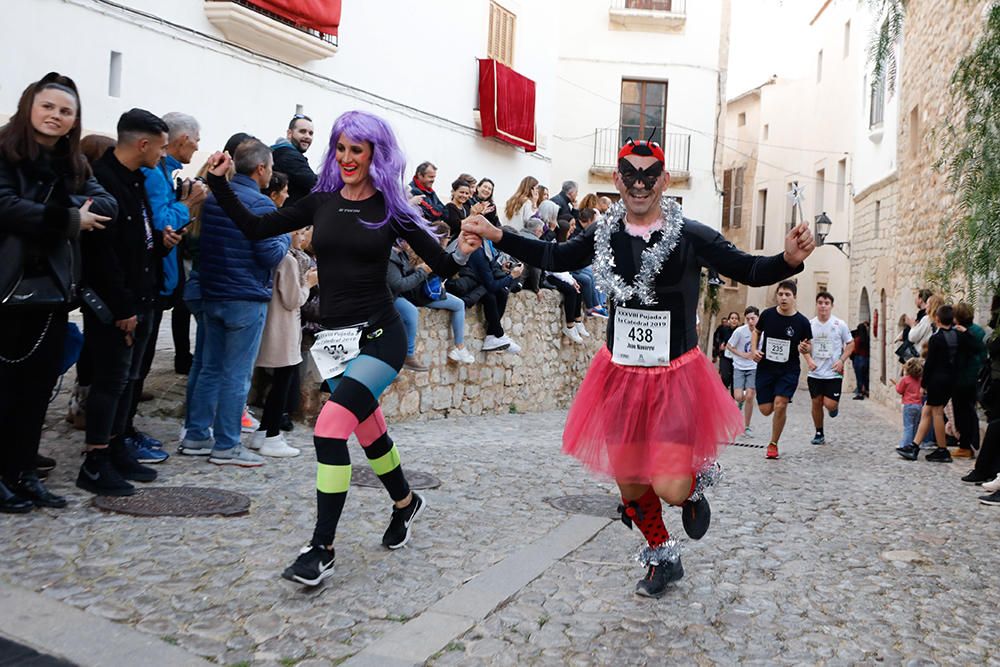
pixel 643 148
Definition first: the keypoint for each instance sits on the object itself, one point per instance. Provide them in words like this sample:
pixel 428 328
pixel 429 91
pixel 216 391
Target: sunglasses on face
pixel 631 175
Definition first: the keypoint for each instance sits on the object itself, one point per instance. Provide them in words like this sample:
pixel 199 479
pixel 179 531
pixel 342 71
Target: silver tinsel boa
pixel 653 257
pixel 706 477
pixel 668 552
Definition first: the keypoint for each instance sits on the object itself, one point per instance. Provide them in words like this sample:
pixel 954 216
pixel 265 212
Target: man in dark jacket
pixel 422 190
pixel 236 281
pixel 123 266
pixel 566 199
pixel 290 159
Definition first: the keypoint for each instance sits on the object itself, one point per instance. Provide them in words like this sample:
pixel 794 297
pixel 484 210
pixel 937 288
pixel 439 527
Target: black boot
pixel 98 476
pixel 11 503
pixel 126 465
pixel 29 486
pixel 658 576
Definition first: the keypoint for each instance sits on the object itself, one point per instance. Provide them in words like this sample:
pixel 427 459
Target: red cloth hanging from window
pixel 321 15
pixel 507 105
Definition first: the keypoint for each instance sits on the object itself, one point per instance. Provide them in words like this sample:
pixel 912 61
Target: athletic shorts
pixel 939 393
pixel 826 387
pixel 771 384
pixel 744 379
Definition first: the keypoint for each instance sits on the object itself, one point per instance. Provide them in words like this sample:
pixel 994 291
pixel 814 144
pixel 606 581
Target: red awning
pixel 507 105
pixel 321 15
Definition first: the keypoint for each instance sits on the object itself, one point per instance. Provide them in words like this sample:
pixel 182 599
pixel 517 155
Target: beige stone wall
pixel 872 270
pixel 545 376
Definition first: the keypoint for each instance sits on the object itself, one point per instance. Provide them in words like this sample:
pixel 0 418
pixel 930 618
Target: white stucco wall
pixel 594 57
pixel 421 61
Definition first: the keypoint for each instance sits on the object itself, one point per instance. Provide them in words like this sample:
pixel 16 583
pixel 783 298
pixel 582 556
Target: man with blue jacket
pixel 236 282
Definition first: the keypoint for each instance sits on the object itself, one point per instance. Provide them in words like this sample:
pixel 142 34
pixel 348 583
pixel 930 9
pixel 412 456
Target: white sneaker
pixel 461 356
pixel 257 438
pixel 572 334
pixel 512 347
pixel 992 486
pixel 492 343
pixel 278 448
pixel 748 431
pixel 582 330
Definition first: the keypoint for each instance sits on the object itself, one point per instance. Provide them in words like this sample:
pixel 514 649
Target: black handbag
pixel 55 286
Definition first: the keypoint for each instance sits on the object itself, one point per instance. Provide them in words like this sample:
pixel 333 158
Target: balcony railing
pixel 667 6
pixel 252 27
pixel 608 141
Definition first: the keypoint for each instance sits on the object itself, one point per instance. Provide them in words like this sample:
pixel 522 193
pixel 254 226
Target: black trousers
pixel 277 399
pixel 988 461
pixel 494 306
pixel 726 372
pixel 117 368
pixel 963 400
pixel 26 382
pixel 571 299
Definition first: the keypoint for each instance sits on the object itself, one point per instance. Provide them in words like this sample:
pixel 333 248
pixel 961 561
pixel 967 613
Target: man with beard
pixel 290 160
pixel 651 412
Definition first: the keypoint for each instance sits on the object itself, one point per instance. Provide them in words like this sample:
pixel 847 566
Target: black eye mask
pixel 630 174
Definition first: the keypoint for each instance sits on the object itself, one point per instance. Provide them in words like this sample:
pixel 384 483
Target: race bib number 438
pixel 642 337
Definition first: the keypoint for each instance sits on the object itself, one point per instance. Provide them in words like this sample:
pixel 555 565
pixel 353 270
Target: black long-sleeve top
pixel 676 285
pixel 352 259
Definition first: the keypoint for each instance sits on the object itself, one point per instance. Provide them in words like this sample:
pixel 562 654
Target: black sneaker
pixel 992 499
pixel 11 503
pixel 909 452
pixel 313 565
pixel 287 425
pixel 654 584
pixel 44 463
pixel 977 478
pixel 398 532
pixel 98 476
pixel 125 463
pixel 696 516
pixel 30 487
pixel 939 455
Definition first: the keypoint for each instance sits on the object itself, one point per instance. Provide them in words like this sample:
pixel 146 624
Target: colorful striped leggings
pixel 353 408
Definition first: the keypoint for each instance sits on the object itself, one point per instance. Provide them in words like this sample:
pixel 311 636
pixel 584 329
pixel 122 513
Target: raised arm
pixel 575 254
pixel 754 270
pixel 442 262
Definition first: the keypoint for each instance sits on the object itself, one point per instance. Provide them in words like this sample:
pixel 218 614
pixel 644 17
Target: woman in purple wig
pixel 358 209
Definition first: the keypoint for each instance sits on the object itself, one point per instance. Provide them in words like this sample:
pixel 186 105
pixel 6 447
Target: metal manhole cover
pixel 600 505
pixel 365 476
pixel 750 445
pixel 177 501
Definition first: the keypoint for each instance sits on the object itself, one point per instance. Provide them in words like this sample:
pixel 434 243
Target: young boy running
pixel 744 367
pixel 776 341
pixel 831 347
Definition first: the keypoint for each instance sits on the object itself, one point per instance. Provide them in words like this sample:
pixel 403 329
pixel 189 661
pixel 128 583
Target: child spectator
pixel 908 387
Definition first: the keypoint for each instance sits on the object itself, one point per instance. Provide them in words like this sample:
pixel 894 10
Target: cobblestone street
pixel 834 554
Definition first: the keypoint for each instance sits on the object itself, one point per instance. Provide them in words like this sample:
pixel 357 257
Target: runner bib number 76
pixel 642 337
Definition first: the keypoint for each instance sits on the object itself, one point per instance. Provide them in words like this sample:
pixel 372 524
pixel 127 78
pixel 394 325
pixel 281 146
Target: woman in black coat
pixel 47 198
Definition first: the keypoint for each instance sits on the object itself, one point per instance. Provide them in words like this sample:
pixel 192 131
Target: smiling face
pixel 641 180
pixel 53 115
pixel 354 159
pixel 461 195
pixel 301 134
pixel 484 191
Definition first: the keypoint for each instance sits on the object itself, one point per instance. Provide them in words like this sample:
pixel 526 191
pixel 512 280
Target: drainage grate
pixel 601 505
pixel 177 501
pixel 365 476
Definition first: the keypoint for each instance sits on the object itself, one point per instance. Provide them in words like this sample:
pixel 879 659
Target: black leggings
pixel 571 299
pixel 494 306
pixel 277 399
pixel 353 408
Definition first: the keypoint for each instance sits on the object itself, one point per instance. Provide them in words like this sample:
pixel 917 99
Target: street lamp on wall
pixel 823 226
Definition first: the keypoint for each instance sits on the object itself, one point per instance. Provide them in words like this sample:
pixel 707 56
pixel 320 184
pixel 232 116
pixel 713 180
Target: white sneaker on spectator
pixel 512 347
pixel 258 437
pixel 277 447
pixel 461 356
pixel 992 486
pixel 572 334
pixel 493 343
pixel 582 330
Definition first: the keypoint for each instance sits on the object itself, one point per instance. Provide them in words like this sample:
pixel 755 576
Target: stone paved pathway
pixel 838 554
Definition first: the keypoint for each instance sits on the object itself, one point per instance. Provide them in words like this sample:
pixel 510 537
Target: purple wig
pixel 386 172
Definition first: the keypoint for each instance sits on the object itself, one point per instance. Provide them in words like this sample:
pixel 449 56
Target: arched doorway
pixel 864 307
pixel 882 326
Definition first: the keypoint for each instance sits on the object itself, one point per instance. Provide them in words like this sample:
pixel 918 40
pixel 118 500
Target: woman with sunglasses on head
pixel 358 210
pixel 651 412
pixel 48 197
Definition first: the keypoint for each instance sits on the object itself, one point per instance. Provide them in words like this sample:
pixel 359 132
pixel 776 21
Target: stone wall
pixel 545 376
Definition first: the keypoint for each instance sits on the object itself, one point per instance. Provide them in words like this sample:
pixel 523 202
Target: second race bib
pixel 334 349
pixel 642 337
pixel 822 348
pixel 777 349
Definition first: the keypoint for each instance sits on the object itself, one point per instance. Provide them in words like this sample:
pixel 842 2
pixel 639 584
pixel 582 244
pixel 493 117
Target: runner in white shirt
pixel 830 348
pixel 744 367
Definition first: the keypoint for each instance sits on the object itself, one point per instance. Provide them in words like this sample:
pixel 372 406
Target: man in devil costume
pixel 652 413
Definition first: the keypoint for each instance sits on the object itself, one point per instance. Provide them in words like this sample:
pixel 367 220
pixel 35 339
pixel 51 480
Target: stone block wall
pixel 545 376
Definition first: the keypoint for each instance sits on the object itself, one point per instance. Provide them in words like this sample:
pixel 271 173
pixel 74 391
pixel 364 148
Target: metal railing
pixel 607 142
pixel 671 6
pixel 326 37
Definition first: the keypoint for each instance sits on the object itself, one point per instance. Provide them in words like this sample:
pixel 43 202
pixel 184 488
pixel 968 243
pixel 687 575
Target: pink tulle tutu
pixel 634 423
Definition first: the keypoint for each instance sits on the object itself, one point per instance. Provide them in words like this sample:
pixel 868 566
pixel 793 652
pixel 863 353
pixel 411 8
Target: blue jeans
pixel 411 319
pixel 457 308
pixel 231 340
pixel 586 279
pixel 911 419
